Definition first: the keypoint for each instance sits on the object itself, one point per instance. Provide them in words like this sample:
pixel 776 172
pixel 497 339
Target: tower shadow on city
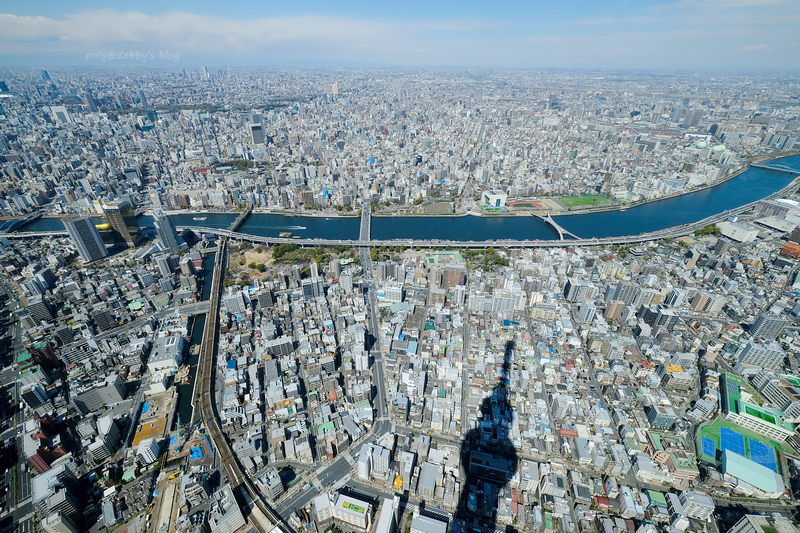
pixel 489 458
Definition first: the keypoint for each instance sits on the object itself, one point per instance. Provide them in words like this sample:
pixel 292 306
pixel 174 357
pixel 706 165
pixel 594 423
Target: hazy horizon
pixel 710 35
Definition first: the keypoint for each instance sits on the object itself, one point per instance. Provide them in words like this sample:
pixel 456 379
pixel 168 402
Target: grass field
pixel 575 201
pixel 438 208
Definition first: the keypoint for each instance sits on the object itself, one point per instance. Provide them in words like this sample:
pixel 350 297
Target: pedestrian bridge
pixel 561 231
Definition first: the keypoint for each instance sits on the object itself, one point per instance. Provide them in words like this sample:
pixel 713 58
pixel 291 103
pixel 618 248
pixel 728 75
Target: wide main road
pixel 327 476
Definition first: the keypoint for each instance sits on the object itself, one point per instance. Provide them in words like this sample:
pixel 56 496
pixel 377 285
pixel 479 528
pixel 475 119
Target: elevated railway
pixel 260 516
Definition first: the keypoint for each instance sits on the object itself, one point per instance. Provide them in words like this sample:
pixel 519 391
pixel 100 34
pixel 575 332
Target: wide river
pixel 751 185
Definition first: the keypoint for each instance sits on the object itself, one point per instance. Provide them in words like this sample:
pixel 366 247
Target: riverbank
pixel 660 198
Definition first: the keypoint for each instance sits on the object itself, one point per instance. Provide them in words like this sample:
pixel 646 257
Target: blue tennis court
pixel 731 440
pixel 708 448
pixel 763 455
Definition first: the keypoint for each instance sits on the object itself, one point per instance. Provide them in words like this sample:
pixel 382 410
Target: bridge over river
pixel 364 239
pixel 777 168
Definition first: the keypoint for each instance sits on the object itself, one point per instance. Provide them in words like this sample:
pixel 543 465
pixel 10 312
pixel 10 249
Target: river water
pixel 198 325
pixel 751 185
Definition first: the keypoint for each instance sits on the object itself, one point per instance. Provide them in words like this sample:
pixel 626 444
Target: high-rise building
pixel 166 231
pixel 769 355
pixel 587 310
pixel 148 450
pixel 34 395
pixel 111 390
pixel 122 218
pixel 224 515
pixel 774 523
pixel 768 326
pixel 166 266
pixel 346 282
pixel 697 505
pixel 271 482
pixel 90 101
pixel 355 513
pixel 576 291
pixel 86 238
pixel 257 132
pixel 56 490
pixel 40 308
pixel 58 522
pixel 61 114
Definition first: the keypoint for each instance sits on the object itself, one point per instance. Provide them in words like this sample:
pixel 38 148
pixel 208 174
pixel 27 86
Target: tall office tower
pixel 90 101
pixel 165 265
pixel 86 237
pixel 257 132
pixel 205 72
pixel 122 219
pixel 58 522
pixel 768 326
pixel 166 231
pixel 335 88
pixel 45 75
pixel 61 114
pixel 3 87
pixel 142 99
pixel 346 282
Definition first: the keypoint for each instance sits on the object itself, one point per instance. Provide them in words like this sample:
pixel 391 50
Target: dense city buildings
pixel 191 377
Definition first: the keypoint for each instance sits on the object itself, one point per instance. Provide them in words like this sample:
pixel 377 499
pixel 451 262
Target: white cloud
pixel 212 35
pixel 604 21
pixel 312 36
pixel 754 47
pixel 325 39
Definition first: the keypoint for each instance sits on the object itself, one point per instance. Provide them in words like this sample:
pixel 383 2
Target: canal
pixel 198 324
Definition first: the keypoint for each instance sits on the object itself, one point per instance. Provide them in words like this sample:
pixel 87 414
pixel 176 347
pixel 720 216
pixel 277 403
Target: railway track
pixel 261 517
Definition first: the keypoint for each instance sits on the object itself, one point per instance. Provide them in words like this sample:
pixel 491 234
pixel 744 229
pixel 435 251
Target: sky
pixel 738 35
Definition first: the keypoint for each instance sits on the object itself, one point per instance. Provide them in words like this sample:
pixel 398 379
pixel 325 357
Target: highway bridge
pixel 366 222
pixel 777 168
pixel 236 224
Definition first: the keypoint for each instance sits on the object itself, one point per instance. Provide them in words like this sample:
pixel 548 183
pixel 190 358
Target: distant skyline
pixel 680 34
